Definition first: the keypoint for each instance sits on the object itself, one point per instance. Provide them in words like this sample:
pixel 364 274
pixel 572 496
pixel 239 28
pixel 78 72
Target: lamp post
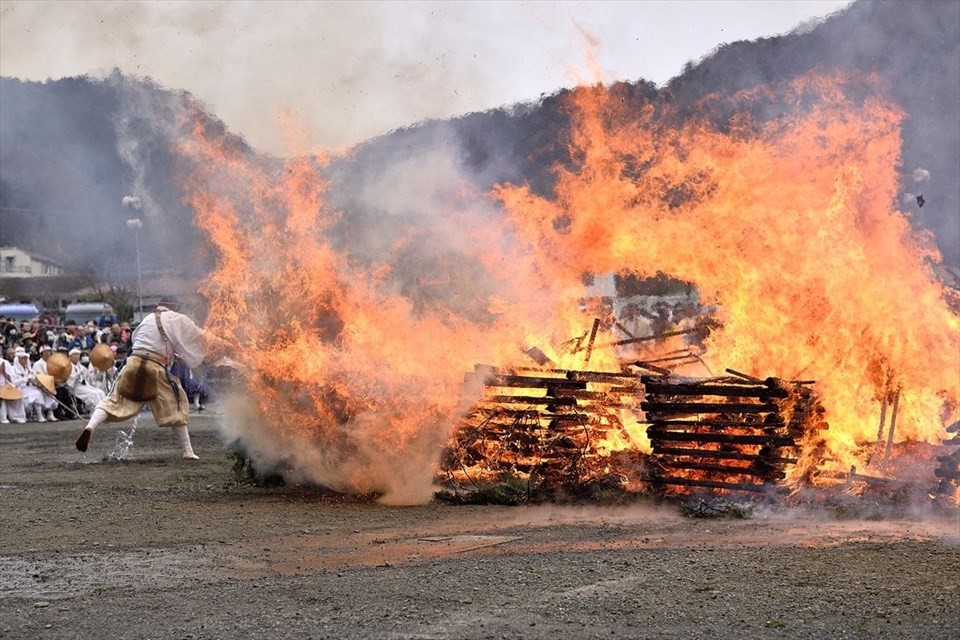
pixel 136 224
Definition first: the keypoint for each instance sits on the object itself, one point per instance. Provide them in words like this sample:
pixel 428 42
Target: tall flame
pixel 354 357
pixel 788 226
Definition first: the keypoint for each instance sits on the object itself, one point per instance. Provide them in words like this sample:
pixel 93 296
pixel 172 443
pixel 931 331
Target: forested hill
pixel 71 149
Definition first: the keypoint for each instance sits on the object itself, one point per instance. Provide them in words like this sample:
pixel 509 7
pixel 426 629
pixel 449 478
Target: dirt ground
pixel 156 547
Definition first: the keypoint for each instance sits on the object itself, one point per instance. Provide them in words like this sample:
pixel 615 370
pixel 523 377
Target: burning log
pixel 732 391
pixel 558 426
pixel 725 455
pixel 752 421
pixel 534 382
pixel 651 367
pixel 552 400
pixel 762 433
pixel 593 337
pixel 657 435
pixel 730 486
pixel 668 408
pixel 659 336
pixel 760 470
pixel 893 425
pixel 745 376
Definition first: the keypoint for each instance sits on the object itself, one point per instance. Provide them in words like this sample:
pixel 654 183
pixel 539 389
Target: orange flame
pixel 354 359
pixel 787 226
pixel 354 370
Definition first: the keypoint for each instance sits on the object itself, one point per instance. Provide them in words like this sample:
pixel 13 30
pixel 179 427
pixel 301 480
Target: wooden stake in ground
pixel 893 425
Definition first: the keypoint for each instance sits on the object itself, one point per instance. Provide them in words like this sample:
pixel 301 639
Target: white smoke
pixel 131 201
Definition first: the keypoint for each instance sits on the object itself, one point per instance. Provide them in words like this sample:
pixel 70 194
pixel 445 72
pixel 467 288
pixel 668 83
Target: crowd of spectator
pixel 26 345
pixel 31 336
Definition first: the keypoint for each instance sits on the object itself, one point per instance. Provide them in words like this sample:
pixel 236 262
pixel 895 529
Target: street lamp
pixel 136 224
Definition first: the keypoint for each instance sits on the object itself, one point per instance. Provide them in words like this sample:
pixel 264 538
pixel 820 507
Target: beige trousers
pixel 166 410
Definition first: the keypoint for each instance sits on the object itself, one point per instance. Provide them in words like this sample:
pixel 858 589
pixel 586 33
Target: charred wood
pixel 721 422
pixel 651 367
pixel 721 455
pixel 706 407
pixel 593 337
pixel 682 436
pixel 732 486
pixel 760 471
pixel 732 391
pixel 538 400
pixel 745 376
pixel 534 383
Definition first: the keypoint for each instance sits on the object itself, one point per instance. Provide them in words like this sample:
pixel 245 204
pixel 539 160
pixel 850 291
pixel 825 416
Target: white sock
pixel 98 417
pixel 183 439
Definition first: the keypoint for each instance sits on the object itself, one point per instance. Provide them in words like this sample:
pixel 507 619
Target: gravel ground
pixel 155 547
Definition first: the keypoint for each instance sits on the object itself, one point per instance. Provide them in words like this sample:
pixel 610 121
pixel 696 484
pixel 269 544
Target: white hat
pixel 73 351
pixel 45 347
pixel 22 354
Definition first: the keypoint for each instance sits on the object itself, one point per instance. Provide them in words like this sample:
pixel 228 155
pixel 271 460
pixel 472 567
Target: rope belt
pixel 152 356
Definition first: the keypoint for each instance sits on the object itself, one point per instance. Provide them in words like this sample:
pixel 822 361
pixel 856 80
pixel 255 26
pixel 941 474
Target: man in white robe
pixel 79 386
pixel 40 368
pixel 24 380
pixel 11 410
pixel 102 380
pixel 146 378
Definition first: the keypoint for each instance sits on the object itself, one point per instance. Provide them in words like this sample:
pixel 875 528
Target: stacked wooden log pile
pixel 547 422
pixel 736 433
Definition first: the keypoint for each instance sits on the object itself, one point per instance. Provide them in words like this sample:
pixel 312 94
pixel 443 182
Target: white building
pixel 17 263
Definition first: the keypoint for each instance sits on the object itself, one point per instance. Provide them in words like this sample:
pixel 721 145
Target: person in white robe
pixel 146 378
pixel 103 380
pixel 80 387
pixel 40 368
pixel 10 410
pixel 23 379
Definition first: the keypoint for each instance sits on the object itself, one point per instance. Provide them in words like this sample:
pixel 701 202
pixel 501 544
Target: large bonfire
pixel 779 206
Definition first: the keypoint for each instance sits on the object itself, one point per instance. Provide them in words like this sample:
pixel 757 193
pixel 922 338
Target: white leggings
pixel 181 433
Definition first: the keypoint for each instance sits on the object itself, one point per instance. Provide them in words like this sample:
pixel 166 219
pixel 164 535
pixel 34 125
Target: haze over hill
pixel 71 149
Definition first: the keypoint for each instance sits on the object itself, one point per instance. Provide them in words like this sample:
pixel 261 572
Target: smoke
pixel 356 343
pixel 132 201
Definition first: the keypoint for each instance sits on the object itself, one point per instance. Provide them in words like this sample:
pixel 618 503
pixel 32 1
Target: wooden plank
pixel 534 382
pixel 720 455
pixel 537 400
pixel 717 422
pixel 733 486
pixel 769 472
pixel 680 436
pixel 707 407
pixel 727 390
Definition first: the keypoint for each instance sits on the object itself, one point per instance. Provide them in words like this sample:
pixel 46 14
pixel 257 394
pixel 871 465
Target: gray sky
pixel 360 69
